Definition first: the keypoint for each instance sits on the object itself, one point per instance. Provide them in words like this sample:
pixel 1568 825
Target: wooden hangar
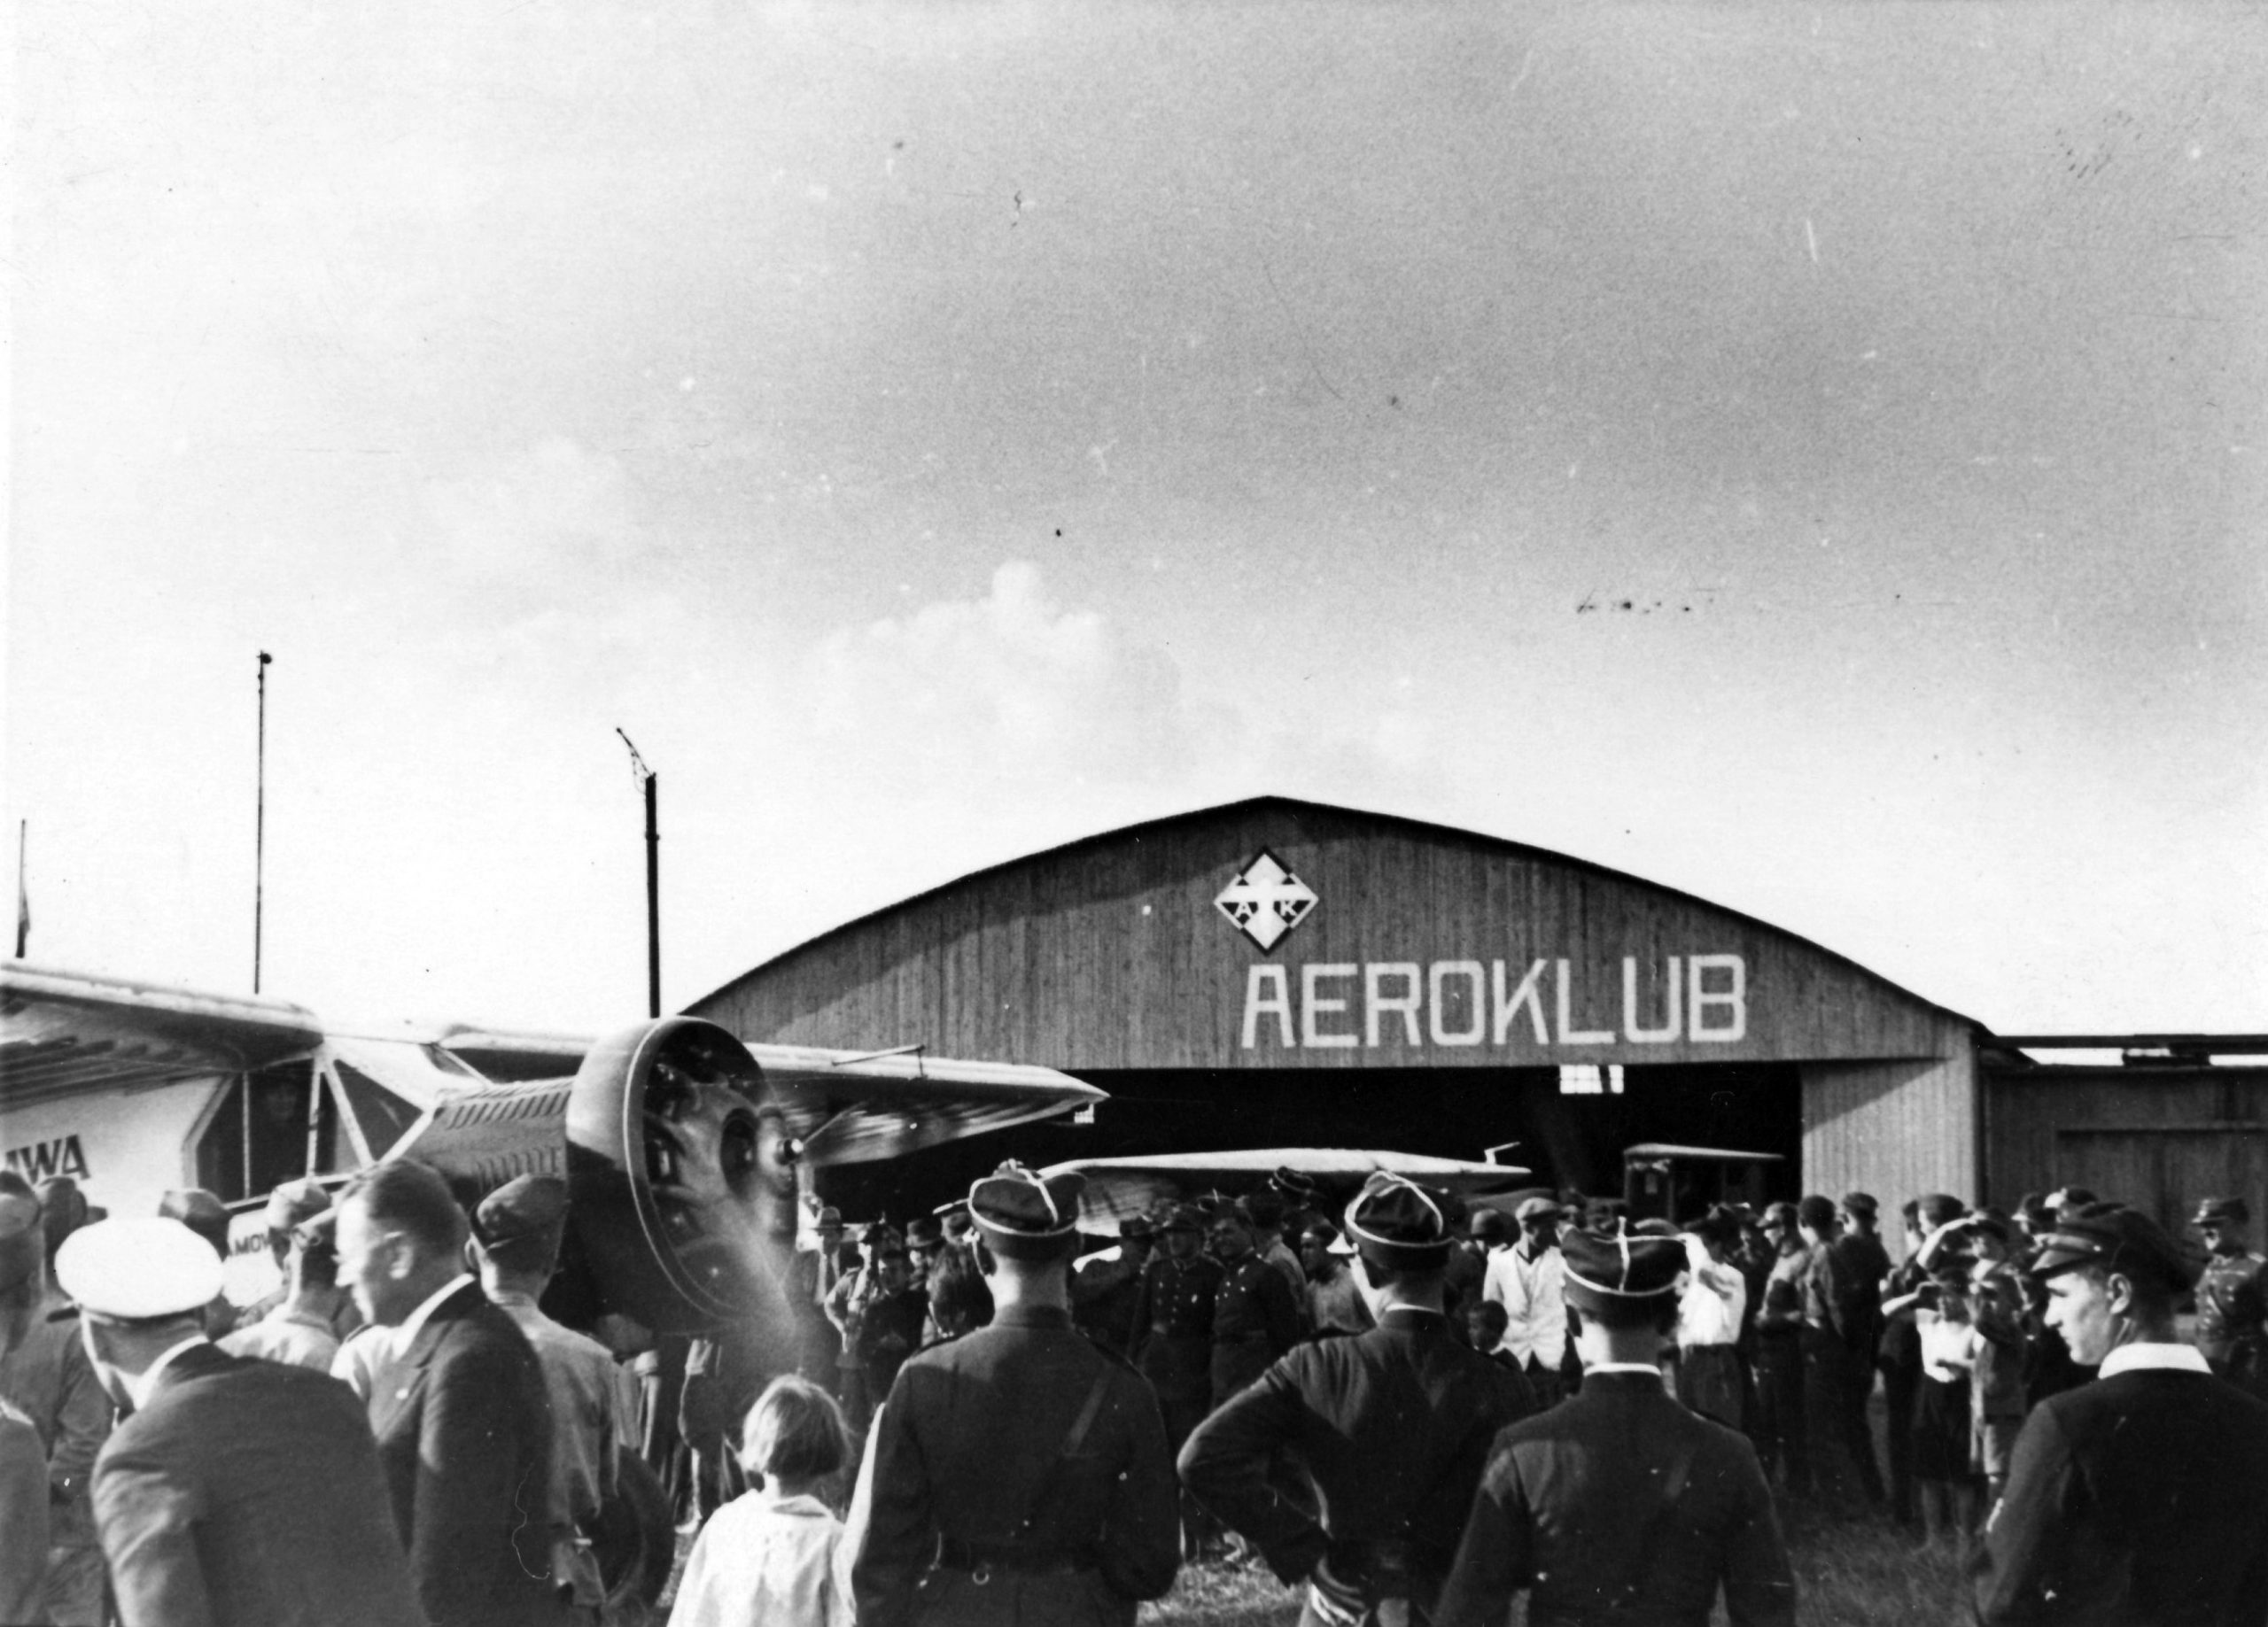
pixel 1278 972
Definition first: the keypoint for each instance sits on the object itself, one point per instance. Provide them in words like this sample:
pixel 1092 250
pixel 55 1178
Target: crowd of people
pixel 1411 1408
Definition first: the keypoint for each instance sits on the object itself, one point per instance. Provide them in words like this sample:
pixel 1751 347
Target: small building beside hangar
pixel 1279 973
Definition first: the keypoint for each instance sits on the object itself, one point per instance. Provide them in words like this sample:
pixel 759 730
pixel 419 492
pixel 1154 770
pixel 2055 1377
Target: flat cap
pixel 2117 1239
pixel 523 1220
pixel 830 1219
pixel 1490 1226
pixel 2221 1212
pixel 23 1244
pixel 925 1231
pixel 133 1269
pixel 1024 1216
pixel 1396 1223
pixel 1720 1226
pixel 958 1223
pixel 295 1203
pixel 1626 1268
pixel 1782 1213
pixel 1531 1208
pixel 1941 1207
pixel 1861 1204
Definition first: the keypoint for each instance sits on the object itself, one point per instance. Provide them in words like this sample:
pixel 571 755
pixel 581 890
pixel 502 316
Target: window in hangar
pixel 1568 1132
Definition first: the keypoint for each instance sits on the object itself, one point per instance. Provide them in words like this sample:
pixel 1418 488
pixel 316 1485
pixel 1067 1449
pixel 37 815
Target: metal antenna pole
pixel 649 782
pixel 259 826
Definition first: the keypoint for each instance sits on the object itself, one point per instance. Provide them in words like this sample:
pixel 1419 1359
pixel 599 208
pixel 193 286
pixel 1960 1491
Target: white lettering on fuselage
pixel 1701 999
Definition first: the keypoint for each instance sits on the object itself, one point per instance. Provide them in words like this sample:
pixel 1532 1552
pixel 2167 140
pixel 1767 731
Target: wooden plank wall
pixel 1896 1129
pixel 2158 1138
pixel 1111 954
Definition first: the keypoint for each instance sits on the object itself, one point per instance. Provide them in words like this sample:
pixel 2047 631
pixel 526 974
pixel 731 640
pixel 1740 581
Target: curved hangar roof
pixel 1276 933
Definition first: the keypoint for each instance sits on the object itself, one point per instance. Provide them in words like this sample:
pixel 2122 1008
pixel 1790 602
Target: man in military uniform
pixel 2141 1497
pixel 517 1232
pixel 1392 1426
pixel 2232 1309
pixel 1254 1318
pixel 1106 1293
pixel 1173 1325
pixel 1019 1474
pixel 1173 1340
pixel 1780 1432
pixel 1619 1505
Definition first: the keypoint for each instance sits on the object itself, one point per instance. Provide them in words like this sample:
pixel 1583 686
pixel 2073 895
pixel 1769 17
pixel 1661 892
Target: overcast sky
pixel 1807 455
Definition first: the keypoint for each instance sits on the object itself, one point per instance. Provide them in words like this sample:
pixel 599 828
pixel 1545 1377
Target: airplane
pixel 690 1157
pixel 1119 1189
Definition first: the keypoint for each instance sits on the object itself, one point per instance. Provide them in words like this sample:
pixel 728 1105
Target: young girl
pixel 1941 1414
pixel 772 1556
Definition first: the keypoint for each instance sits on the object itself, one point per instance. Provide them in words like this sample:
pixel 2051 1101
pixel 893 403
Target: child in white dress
pixel 774 1556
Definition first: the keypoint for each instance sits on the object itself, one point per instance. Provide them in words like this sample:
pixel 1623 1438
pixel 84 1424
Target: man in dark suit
pixel 239 1493
pixel 458 1405
pixel 2143 1496
pixel 1019 1473
pixel 1619 1503
pixel 1392 1425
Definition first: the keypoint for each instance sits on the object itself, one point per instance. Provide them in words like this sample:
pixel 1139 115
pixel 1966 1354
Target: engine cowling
pixel 680 1181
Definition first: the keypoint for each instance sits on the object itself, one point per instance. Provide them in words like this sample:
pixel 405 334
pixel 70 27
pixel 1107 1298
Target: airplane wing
pixel 62 1033
pixel 845 1107
pixel 1119 1189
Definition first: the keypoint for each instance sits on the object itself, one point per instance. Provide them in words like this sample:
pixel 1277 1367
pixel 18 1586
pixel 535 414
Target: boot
pixel 1966 1523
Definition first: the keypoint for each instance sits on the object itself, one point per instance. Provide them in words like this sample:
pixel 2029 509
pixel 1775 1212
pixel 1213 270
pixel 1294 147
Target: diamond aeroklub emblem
pixel 1265 900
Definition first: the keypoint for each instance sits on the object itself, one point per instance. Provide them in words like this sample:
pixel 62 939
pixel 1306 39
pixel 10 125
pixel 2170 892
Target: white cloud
pixel 1008 690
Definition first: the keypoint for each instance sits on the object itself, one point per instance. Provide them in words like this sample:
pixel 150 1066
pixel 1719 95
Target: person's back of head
pixel 795 1434
pixel 400 1238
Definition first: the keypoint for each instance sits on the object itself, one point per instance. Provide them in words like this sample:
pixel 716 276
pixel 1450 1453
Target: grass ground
pixel 1847 1575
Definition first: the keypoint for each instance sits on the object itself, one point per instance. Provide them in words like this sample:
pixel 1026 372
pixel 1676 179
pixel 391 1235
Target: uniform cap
pixel 1137 1229
pixel 23 1244
pixel 2115 1238
pixel 2222 1212
pixel 295 1203
pixel 925 1231
pixel 1532 1207
pixel 1183 1217
pixel 1490 1226
pixel 521 1222
pixel 1625 1267
pixel 135 1269
pixel 1396 1223
pixel 202 1211
pixel 1024 1216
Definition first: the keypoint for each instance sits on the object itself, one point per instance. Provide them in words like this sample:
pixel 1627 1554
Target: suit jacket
pixel 463 1432
pixel 1393 1425
pixel 23 1518
pixel 970 1448
pixel 1572 1507
pixel 2142 1498
pixel 248 1494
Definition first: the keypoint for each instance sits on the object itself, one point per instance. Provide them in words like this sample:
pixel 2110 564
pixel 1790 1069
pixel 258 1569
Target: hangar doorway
pixel 1570 1125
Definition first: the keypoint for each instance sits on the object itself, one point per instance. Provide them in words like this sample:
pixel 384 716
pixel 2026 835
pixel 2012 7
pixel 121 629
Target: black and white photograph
pixel 1218 813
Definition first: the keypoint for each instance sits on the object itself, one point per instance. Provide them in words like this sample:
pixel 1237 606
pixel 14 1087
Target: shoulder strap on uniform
pixel 1089 1411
